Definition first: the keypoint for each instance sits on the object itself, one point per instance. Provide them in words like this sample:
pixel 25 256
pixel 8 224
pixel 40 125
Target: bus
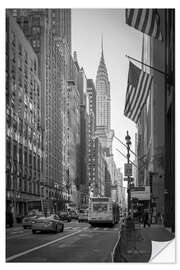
pixel 102 210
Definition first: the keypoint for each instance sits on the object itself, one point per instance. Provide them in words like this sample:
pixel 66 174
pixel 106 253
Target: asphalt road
pixel 78 243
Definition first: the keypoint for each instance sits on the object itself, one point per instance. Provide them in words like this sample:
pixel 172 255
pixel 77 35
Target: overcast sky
pixel 119 39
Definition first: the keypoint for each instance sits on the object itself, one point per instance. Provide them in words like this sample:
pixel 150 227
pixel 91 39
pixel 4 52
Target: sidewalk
pixel 136 245
pixel 15 225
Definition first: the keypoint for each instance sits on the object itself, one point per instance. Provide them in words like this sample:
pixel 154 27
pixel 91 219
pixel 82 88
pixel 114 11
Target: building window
pixel 14 150
pixel 13 38
pixel 20 49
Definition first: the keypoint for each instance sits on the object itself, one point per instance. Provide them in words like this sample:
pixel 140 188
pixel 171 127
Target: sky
pixel 88 26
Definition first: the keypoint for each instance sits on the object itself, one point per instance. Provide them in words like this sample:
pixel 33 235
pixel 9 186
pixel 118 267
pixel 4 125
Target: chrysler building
pixel 103 106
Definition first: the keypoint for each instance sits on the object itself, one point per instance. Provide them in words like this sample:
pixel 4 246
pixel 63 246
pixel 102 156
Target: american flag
pixel 139 84
pixel 146 21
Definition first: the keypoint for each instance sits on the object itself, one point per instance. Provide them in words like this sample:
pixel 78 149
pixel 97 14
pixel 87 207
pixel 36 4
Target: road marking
pixel 17 232
pixel 18 235
pixel 114 249
pixel 41 246
pixel 68 228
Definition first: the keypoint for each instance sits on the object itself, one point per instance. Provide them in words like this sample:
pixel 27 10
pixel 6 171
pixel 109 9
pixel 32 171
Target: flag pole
pixel 156 69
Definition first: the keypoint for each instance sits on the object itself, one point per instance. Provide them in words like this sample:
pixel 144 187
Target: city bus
pixel 102 210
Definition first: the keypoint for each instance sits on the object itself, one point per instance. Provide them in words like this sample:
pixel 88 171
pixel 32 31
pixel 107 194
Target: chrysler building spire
pixel 103 104
pixel 102 53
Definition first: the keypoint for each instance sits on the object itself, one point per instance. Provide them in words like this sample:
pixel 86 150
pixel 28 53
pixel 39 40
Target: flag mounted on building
pixel 146 21
pixel 139 84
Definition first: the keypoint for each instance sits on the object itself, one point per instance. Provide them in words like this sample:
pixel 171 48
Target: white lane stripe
pixel 112 253
pixel 18 235
pixel 39 247
pixel 68 228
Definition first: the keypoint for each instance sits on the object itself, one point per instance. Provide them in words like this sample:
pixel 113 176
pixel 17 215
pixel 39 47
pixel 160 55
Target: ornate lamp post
pixel 128 143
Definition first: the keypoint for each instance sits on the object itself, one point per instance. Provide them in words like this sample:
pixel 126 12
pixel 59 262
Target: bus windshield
pixel 99 207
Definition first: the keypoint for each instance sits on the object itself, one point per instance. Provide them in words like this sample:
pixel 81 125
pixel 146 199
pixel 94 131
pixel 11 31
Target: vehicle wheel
pixel 33 231
pixel 62 228
pixel 24 227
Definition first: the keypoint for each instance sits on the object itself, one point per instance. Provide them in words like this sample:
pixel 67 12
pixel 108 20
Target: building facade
pixel 52 44
pixel 156 136
pixel 103 106
pixel 73 142
pixel 24 133
pixel 91 92
pixel 99 169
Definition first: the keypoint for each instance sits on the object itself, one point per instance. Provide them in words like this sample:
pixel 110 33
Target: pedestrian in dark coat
pixel 146 219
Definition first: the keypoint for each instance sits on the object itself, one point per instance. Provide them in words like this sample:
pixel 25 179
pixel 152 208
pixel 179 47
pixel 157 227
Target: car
pixel 83 215
pixel 73 215
pixel 27 221
pixel 65 216
pixel 51 223
pixel 9 219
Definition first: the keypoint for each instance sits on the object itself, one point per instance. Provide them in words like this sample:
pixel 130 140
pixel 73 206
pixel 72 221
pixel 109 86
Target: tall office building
pixel 24 141
pixel 103 106
pixel 49 32
pixel 91 91
pixel 61 24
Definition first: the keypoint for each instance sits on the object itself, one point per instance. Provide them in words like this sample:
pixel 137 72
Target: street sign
pixel 141 193
pixel 128 169
pixel 130 179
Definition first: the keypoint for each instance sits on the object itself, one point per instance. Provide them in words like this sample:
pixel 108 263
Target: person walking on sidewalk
pixel 146 219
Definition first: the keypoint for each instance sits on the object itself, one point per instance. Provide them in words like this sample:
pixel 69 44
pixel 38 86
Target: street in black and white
pixel 90 134
pixel 78 243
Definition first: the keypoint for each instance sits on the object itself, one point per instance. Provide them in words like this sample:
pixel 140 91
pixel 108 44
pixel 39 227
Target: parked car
pixel 73 214
pixel 83 215
pixel 65 216
pixel 27 221
pixel 51 223
pixel 9 219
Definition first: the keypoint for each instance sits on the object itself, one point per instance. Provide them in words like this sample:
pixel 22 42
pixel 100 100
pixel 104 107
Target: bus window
pixel 99 207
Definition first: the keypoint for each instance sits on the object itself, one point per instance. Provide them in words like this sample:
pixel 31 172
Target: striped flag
pixel 146 21
pixel 139 84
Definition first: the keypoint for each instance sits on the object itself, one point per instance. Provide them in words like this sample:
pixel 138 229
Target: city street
pixel 78 243
pixel 89 133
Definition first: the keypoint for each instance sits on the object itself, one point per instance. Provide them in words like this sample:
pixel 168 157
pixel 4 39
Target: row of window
pixel 22 53
pixel 22 186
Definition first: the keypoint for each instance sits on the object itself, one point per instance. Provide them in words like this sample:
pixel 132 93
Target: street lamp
pixel 128 143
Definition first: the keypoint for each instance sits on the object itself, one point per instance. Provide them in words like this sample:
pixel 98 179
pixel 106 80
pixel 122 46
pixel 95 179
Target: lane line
pixel 18 236
pixel 41 246
pixel 68 228
pixel 114 249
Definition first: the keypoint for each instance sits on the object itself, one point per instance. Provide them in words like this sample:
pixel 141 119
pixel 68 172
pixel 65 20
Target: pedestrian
pixel 162 219
pixel 158 218
pixel 146 219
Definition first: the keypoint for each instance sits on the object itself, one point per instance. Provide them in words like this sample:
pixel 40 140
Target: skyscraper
pixel 24 141
pixel 103 106
pixel 49 33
